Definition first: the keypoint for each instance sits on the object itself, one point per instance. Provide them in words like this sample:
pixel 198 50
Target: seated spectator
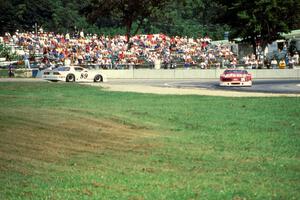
pixel 282 64
pixel 296 58
pixel 274 63
pixel 291 63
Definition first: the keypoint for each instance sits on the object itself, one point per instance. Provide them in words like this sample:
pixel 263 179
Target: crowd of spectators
pixel 153 50
pixel 148 51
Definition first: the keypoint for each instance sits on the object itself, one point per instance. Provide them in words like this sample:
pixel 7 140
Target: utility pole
pixel 35 27
pixel 36 38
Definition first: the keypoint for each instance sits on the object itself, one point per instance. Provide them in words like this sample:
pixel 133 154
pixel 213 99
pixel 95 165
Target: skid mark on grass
pixel 38 136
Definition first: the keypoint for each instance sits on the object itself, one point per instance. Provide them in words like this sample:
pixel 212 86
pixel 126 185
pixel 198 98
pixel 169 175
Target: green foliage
pixel 66 17
pixel 180 17
pixel 186 18
pixel 56 15
pixel 261 20
pixel 122 13
pixel 5 52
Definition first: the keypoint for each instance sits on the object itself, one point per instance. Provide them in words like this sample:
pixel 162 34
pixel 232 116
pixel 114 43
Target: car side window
pixel 78 69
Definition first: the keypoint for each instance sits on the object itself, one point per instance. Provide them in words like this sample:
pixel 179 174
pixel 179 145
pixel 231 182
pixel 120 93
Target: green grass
pixel 68 141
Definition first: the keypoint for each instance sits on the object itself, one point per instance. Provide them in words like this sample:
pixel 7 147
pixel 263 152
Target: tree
pixel 65 16
pixel 6 20
pixel 17 14
pixel 124 11
pixel 55 15
pixel 260 21
pixel 191 18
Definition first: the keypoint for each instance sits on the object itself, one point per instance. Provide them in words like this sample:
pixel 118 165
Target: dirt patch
pixel 188 91
pixel 46 136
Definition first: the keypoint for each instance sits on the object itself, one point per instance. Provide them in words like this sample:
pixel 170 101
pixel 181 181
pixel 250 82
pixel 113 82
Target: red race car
pixel 236 77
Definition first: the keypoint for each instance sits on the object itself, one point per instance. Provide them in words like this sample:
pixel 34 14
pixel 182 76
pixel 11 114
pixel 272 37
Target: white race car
pixel 72 74
pixel 236 77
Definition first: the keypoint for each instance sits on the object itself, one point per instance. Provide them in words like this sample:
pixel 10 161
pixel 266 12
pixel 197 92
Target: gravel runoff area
pixel 187 91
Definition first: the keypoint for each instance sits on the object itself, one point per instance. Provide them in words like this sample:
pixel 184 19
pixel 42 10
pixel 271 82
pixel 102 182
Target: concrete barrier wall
pixel 123 74
pixel 196 73
pixel 152 73
pixel 275 73
pixel 19 73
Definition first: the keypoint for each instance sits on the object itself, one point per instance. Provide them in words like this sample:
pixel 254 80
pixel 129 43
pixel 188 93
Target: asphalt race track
pixel 283 86
pixel 280 86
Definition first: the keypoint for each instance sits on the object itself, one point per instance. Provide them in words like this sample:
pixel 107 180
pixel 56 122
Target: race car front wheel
pixel 98 78
pixel 70 78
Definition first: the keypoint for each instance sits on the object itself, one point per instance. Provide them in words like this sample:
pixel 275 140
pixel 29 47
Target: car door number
pixel 84 75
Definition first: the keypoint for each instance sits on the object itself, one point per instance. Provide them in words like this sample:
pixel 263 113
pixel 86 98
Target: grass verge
pixel 68 141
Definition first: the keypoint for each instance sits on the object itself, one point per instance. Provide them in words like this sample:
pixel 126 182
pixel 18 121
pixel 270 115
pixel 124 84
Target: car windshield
pixel 237 71
pixel 62 69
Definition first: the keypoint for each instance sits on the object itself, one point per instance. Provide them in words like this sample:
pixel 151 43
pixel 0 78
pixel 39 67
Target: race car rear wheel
pixel 70 78
pixel 98 78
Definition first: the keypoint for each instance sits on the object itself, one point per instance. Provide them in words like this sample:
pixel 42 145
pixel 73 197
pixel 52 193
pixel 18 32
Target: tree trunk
pixel 253 43
pixel 128 30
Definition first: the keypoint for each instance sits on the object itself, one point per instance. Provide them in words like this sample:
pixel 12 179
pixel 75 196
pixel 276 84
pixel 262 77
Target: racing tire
pixel 98 78
pixel 70 78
